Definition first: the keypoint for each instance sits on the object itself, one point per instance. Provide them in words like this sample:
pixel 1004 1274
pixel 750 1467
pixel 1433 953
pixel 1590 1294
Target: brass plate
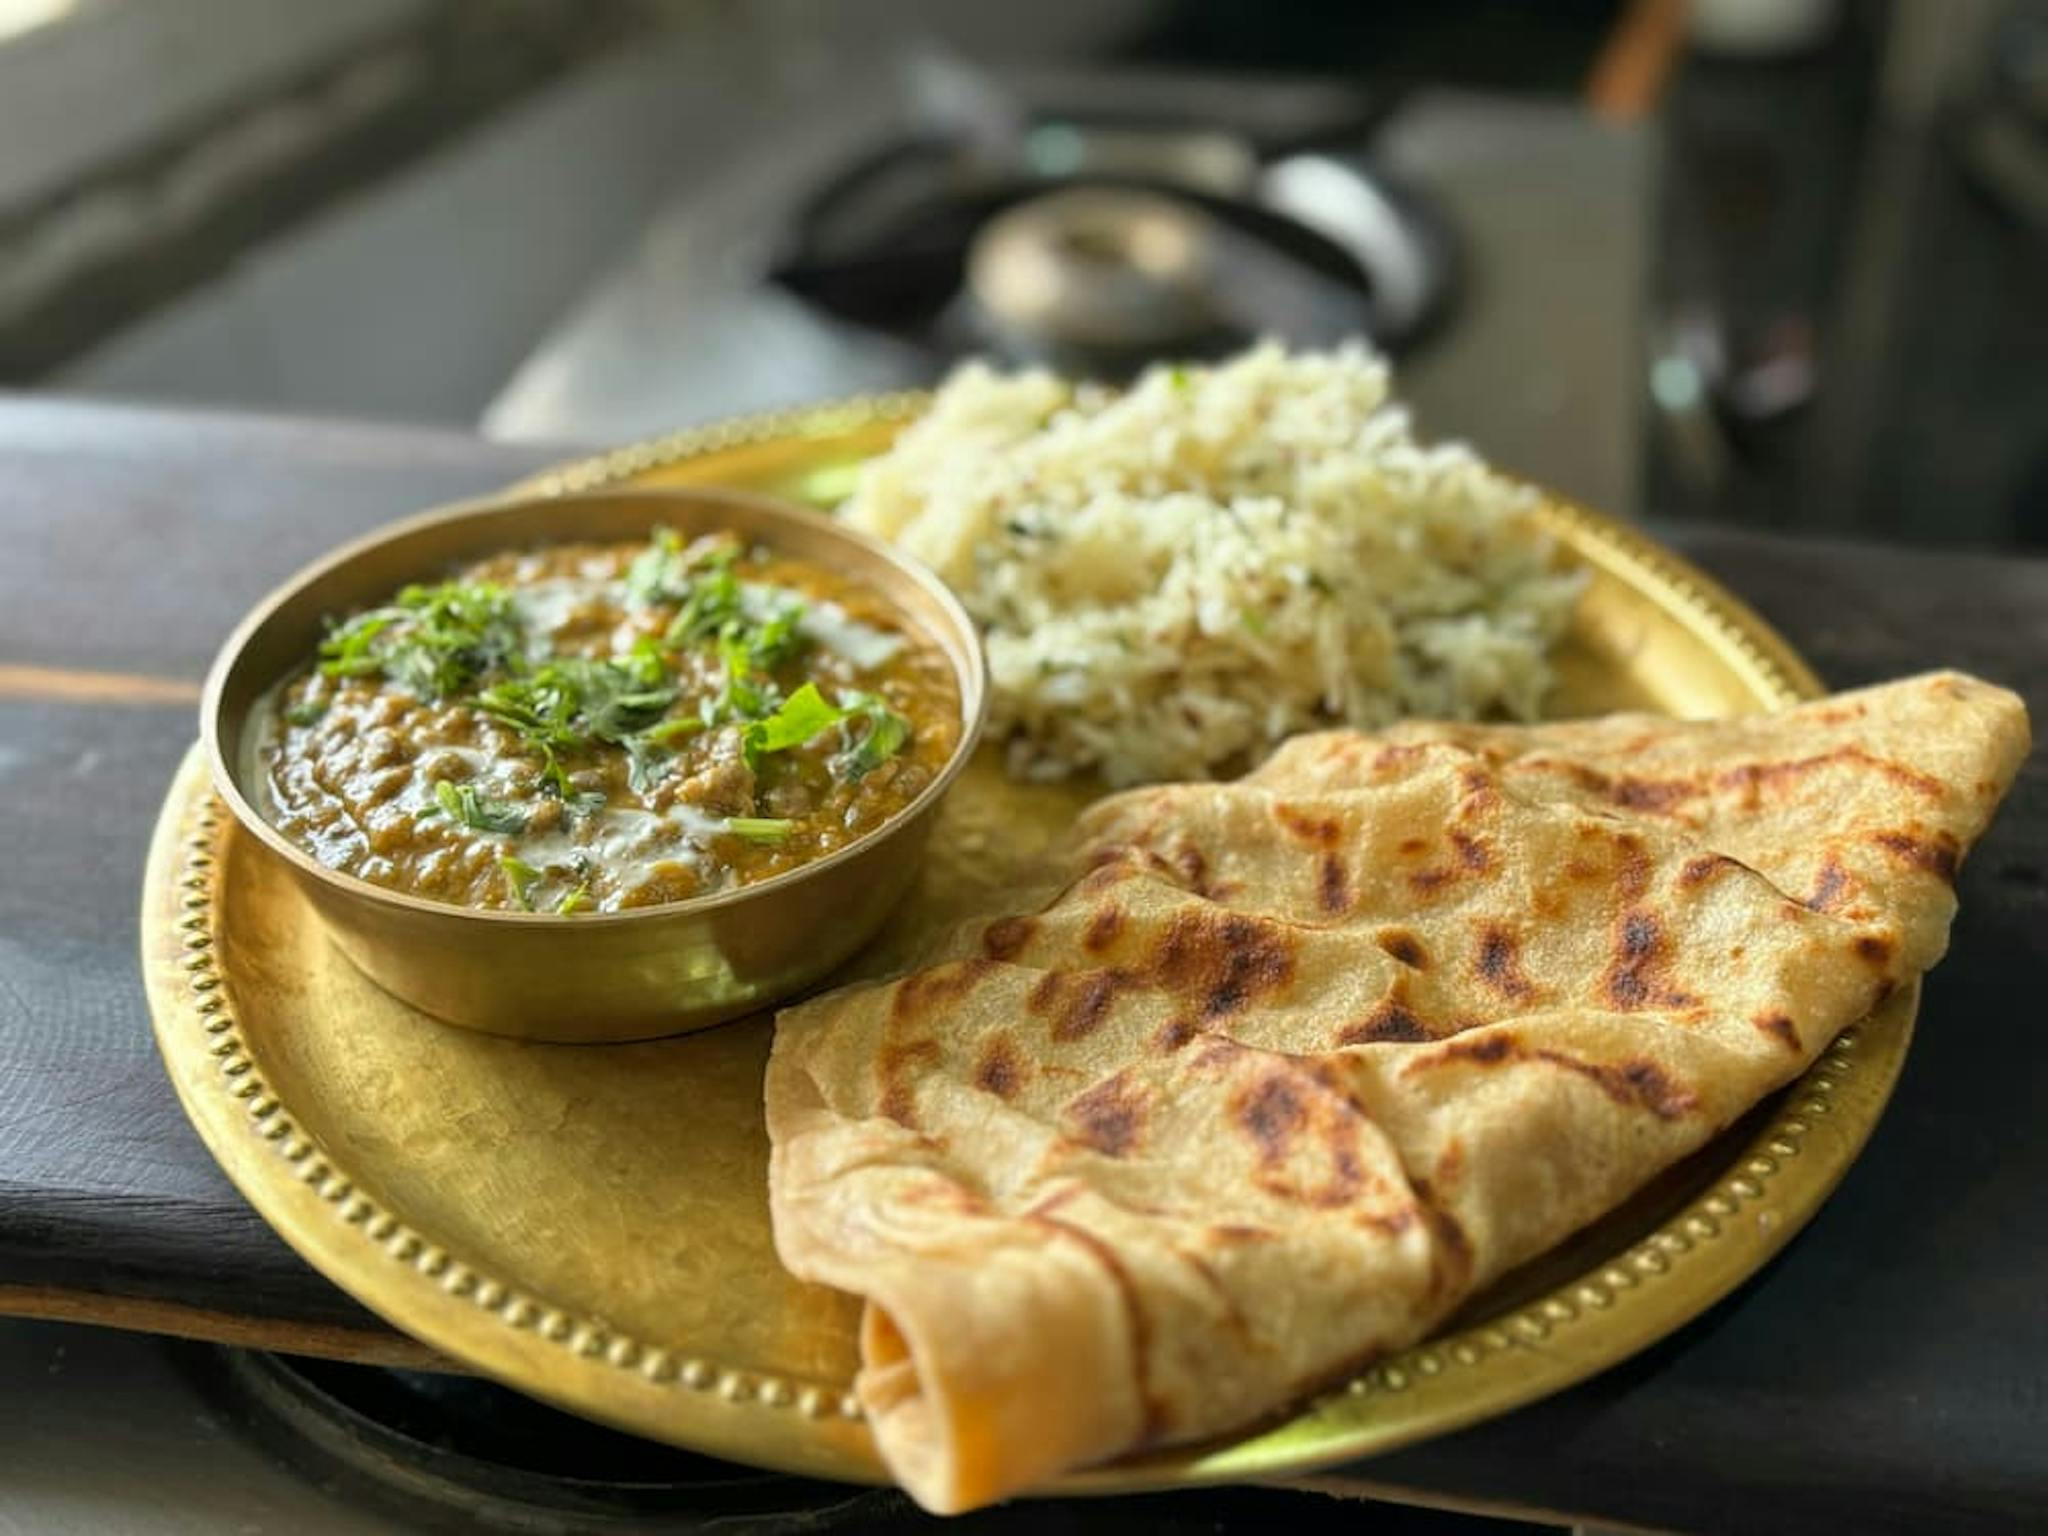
pixel 589 1223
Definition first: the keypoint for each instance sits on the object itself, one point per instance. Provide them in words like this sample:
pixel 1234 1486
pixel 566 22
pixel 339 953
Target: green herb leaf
pixel 887 734
pixel 306 712
pixel 573 901
pixel 779 639
pixel 522 877
pixel 468 805
pixel 669 732
pixel 647 763
pixel 698 579
pixel 644 665
pixel 571 701
pixel 350 649
pixel 648 754
pixel 759 829
pixel 436 640
pixel 648 576
pixel 743 698
pixel 802 716
pixel 669 571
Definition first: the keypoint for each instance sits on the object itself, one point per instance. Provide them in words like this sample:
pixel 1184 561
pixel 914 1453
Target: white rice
pixel 1174 578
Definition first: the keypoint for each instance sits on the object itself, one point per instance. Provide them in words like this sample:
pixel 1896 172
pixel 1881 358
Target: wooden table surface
pixel 1888 1372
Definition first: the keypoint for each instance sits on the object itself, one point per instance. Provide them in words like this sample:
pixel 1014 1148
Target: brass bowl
pixel 603 976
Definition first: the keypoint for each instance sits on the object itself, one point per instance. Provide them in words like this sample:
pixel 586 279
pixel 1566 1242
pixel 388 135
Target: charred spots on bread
pixel 1108 1118
pixel 1076 1002
pixel 1656 797
pixel 1632 875
pixel 999 1069
pixel 1451 1260
pixel 1398 756
pixel 1779 1027
pixel 897 1068
pixel 1638 975
pixel 1828 885
pixel 1638 1082
pixel 1390 1021
pixel 1473 856
pixel 1481 789
pixel 1318 831
pixel 1333 884
pixel 1404 946
pixel 1005 938
pixel 1701 868
pixel 1427 882
pixel 1498 963
pixel 1449 1172
pixel 1223 961
pixel 1939 854
pixel 922 993
pixel 1751 780
pixel 1272 1113
pixel 1103 928
pixel 1653 1088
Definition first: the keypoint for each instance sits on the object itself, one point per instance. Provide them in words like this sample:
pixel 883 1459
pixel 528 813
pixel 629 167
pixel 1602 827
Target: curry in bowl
pixel 604 726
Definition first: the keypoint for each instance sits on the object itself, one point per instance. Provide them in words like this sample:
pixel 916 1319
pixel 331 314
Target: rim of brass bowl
pixel 390 934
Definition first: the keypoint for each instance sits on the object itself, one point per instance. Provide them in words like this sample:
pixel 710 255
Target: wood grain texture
pixel 1885 1372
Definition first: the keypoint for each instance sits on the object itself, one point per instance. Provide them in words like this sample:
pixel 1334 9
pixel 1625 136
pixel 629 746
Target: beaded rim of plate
pixel 1750 1186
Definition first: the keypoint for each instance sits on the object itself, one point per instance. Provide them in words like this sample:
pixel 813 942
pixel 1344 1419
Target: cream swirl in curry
pixel 596 727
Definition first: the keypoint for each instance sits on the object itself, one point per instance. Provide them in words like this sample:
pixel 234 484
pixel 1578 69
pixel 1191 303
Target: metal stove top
pixel 104 1432
pixel 1504 257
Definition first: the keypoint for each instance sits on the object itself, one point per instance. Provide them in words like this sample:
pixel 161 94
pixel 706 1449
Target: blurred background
pixel 1776 262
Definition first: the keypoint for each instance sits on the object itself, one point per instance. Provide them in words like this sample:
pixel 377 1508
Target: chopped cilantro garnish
pixel 744 697
pixel 802 715
pixel 573 901
pixel 886 735
pixel 435 640
pixel 649 753
pixel 779 638
pixel 669 732
pixel 669 571
pixel 522 877
pixel 567 703
pixel 709 601
pixel 647 578
pixel 646 761
pixel 306 712
pixel 470 806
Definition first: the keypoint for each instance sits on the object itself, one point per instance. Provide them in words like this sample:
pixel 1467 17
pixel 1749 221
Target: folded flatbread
pixel 1276 1073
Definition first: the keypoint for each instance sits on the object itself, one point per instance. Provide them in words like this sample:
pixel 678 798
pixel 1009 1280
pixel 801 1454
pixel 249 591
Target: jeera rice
pixel 1173 578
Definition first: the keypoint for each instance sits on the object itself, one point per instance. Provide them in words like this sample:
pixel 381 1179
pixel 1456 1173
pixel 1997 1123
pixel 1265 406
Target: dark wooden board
pixel 1887 1372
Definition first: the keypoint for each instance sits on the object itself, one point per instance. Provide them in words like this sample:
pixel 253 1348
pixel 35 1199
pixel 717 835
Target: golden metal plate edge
pixel 1768 1190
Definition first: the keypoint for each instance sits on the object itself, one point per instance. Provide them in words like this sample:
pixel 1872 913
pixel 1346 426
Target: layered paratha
pixel 1274 1074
